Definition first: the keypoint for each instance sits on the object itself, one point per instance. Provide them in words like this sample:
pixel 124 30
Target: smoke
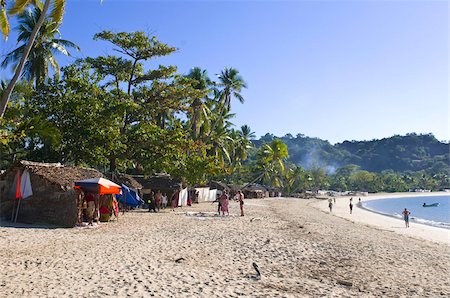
pixel 313 159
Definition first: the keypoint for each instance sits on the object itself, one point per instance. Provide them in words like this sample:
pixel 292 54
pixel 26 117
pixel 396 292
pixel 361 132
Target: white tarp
pixel 182 197
pixel 203 194
pixel 212 195
pixel 25 185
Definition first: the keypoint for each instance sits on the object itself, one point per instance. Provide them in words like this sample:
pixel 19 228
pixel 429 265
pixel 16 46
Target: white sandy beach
pixel 301 252
pixel 364 216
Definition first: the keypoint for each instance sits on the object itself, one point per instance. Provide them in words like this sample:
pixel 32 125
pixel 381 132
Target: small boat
pixel 430 205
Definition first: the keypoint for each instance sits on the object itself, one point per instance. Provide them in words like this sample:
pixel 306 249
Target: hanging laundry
pixel 25 185
pixel 17 186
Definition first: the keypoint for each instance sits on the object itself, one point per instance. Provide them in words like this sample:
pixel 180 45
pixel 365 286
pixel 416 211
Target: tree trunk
pixel 112 163
pixel 12 83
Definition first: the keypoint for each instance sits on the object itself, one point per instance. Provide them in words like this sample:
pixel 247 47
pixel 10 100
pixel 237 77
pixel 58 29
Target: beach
pixel 300 250
pixel 366 217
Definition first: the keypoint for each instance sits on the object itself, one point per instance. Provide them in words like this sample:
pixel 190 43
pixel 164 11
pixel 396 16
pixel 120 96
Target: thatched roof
pixel 56 173
pixel 219 185
pixel 126 179
pixel 159 181
pixel 235 187
pixel 254 187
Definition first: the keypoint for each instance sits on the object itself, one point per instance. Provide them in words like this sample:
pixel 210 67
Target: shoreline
pixel 378 220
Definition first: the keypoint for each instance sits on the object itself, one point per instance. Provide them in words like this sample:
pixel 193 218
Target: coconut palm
pixel 18 7
pixel 199 108
pixel 42 52
pixel 271 159
pixel 232 83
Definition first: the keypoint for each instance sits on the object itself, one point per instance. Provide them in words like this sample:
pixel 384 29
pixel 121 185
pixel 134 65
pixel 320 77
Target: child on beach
pixel 351 205
pixel 330 205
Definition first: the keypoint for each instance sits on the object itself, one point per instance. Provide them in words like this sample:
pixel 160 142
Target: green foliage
pixel 42 52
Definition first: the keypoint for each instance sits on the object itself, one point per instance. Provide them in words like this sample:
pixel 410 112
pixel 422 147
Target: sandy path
pixel 301 251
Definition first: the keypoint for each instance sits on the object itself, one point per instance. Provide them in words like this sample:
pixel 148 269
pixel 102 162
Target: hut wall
pixel 50 204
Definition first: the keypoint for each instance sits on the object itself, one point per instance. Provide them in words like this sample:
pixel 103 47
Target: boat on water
pixel 430 205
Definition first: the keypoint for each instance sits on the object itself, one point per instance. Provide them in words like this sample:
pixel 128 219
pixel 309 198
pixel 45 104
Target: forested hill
pixel 412 152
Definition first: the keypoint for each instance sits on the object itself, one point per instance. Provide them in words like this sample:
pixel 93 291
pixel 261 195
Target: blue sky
pixel 337 70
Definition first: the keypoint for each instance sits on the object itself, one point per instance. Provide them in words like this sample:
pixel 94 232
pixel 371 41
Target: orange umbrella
pixel 100 186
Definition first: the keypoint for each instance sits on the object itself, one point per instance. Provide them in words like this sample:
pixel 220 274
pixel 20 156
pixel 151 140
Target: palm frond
pixel 39 4
pixel 13 57
pixel 54 65
pixel 4 24
pixel 59 48
pixel 66 43
pixel 19 6
pixel 57 11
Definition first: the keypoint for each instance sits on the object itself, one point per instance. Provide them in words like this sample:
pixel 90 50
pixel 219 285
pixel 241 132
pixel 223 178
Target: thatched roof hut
pixel 54 201
pixel 121 178
pixel 254 191
pixel 162 182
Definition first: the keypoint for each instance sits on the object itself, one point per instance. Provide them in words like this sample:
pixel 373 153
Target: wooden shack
pixel 54 201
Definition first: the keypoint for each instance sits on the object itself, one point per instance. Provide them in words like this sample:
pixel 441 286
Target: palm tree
pixel 199 109
pixel 56 17
pixel 221 139
pixel 42 52
pixel 232 83
pixel 270 161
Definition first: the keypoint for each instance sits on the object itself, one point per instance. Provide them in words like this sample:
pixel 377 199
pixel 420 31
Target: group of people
pixel 93 207
pixel 332 202
pixel 406 213
pixel 157 201
pixel 223 201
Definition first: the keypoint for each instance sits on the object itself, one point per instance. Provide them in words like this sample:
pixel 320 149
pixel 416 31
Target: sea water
pixel 435 216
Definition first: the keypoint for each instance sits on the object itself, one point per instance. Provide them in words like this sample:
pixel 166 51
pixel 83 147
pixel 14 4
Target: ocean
pixel 434 216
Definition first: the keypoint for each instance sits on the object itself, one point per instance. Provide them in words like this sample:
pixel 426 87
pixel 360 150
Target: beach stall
pixel 162 182
pixel 42 193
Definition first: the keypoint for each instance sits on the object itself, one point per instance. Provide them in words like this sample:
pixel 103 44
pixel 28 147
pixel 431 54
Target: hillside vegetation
pixel 412 152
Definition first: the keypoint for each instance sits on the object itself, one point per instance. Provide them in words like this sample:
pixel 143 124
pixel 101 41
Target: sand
pixel 301 252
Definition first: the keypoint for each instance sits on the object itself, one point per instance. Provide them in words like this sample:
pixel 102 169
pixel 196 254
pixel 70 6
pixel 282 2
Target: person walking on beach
pixel 406 214
pixel 351 205
pixel 330 205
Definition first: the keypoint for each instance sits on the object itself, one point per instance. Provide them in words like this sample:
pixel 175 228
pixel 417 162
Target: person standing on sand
pixel 90 201
pixel 351 205
pixel 219 207
pixel 406 214
pixel 164 201
pixel 241 202
pixel 224 203
pixel 334 200
pixel 158 200
pixel 330 205
pixel 174 200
